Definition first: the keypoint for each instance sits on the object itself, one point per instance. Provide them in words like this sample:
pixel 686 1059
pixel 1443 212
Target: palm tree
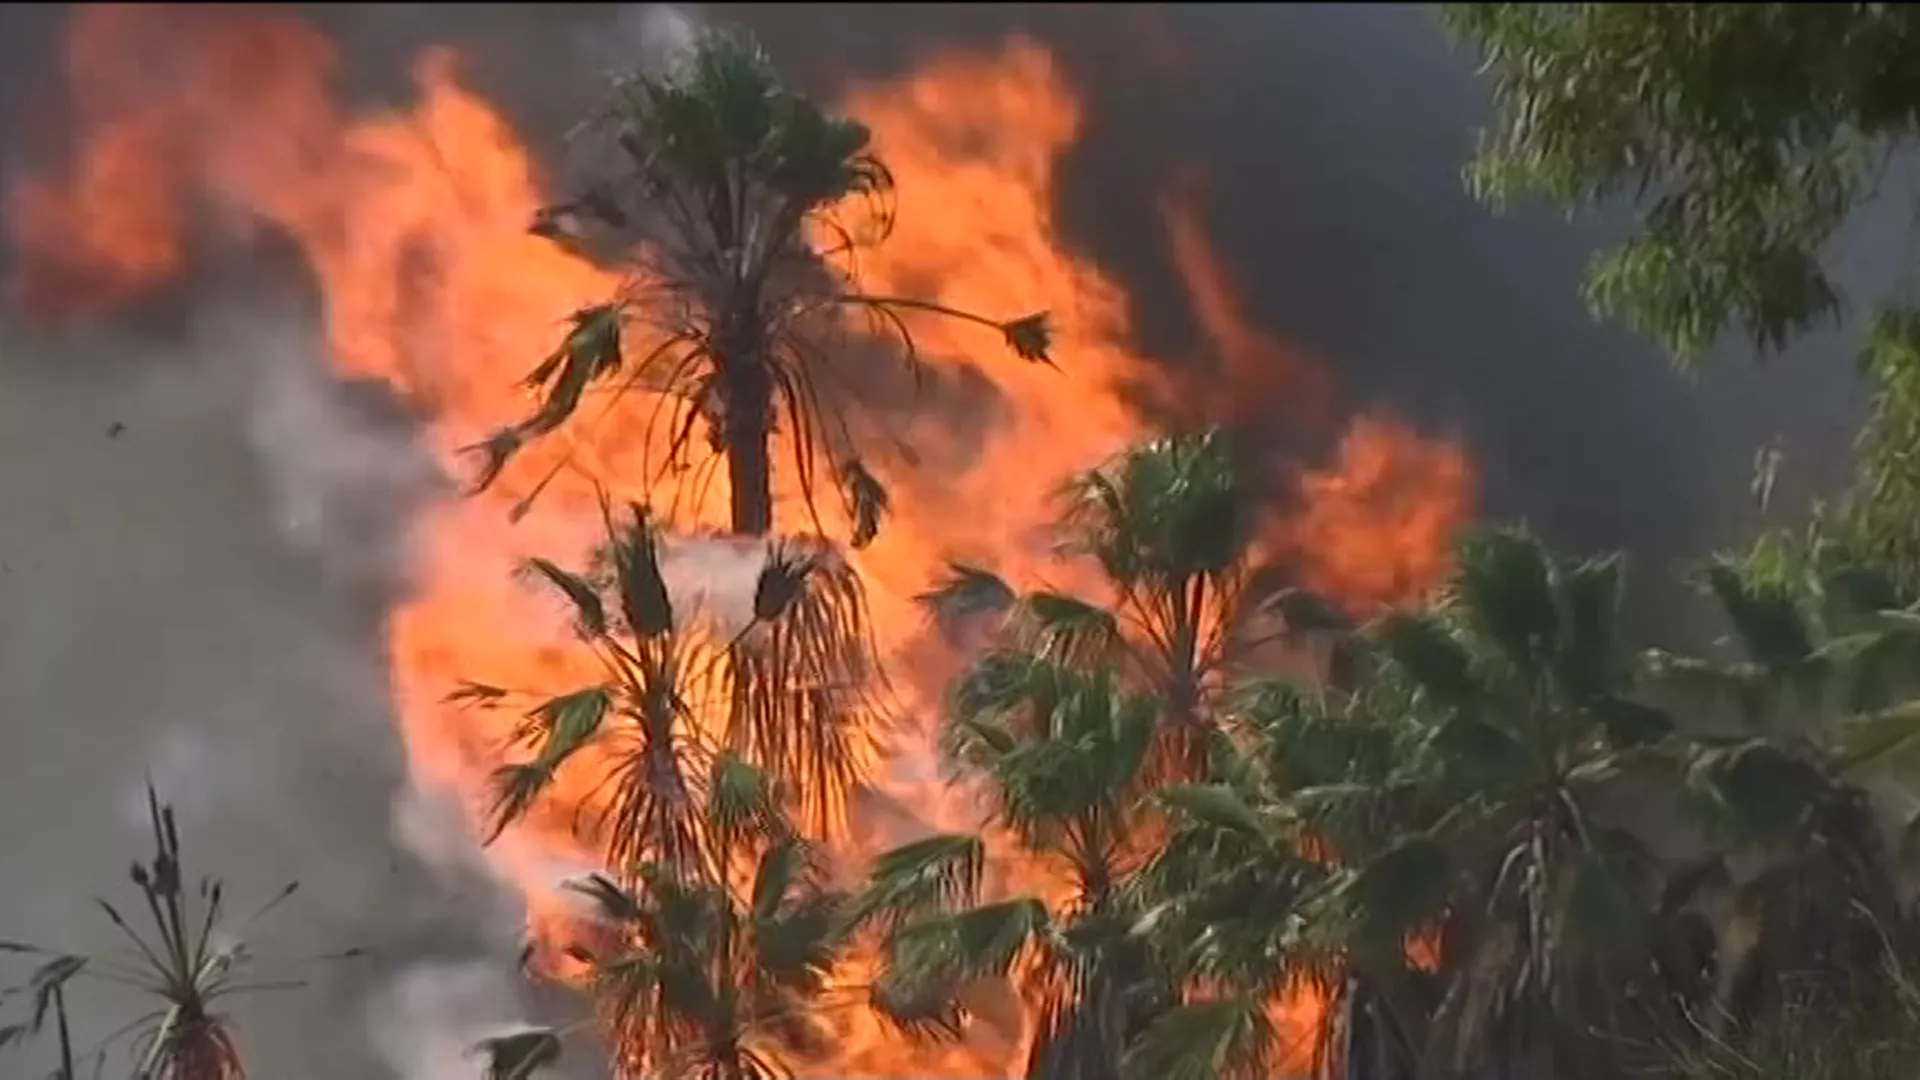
pixel 1059 754
pixel 1824 689
pixel 722 976
pixel 1312 784
pixel 729 200
pixel 788 692
pixel 1454 802
pixel 188 962
pixel 1169 525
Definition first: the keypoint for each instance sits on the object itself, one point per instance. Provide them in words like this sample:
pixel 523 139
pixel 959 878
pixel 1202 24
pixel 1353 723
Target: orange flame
pixel 414 223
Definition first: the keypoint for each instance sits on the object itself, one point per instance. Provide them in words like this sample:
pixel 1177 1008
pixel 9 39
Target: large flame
pixel 413 223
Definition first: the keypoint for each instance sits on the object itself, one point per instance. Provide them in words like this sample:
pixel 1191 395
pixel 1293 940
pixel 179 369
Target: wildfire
pixel 413 223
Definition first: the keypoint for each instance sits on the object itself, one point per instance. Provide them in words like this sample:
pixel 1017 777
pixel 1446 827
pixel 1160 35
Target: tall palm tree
pixel 188 962
pixel 729 198
pixel 1169 525
pixel 1059 754
pixel 788 693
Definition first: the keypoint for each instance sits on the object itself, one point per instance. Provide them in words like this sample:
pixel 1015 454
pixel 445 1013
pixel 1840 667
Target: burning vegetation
pixel 917 708
pixel 807 472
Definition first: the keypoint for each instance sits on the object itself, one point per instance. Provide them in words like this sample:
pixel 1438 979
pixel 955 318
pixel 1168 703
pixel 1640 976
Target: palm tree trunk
pixel 749 437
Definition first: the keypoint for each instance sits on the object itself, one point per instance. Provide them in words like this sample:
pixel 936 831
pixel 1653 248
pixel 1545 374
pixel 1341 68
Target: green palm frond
pixel 964 591
pixel 939 873
pixel 1228 1040
pixel 1506 586
pixel 1216 805
pixel 979 942
pixel 1165 510
pixel 1068 628
pixel 1421 645
pixel 590 613
pixel 634 551
pixel 1764 613
pixel 1888 738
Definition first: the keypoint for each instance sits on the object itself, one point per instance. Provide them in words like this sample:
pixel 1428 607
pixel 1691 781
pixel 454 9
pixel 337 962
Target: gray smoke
pixel 202 529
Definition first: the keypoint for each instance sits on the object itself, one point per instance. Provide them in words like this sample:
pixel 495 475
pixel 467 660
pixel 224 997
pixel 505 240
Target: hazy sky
pixel 158 611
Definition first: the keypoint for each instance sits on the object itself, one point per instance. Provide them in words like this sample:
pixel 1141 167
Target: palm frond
pixel 965 591
pixel 979 942
pixel 518 1055
pixel 1230 1040
pixel 938 873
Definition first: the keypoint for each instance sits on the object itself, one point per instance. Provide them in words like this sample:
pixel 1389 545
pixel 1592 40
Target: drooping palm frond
pixel 189 960
pixel 729 196
pixel 795 692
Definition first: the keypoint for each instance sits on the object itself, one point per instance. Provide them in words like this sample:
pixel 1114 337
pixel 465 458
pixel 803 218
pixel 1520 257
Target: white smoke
pixel 428 1020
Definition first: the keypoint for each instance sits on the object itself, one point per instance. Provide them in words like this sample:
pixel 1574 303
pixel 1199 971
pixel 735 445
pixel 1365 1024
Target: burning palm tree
pixel 723 186
pixel 790 692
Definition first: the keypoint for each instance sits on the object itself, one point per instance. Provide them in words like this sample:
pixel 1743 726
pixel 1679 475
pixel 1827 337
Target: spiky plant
pixel 1059 754
pixel 728 196
pixel 1168 523
pixel 792 692
pixel 187 961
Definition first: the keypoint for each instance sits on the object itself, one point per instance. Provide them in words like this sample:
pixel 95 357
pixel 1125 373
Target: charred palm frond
pixel 188 960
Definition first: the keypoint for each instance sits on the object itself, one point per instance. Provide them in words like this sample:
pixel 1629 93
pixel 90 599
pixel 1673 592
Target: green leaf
pixel 1069 628
pixel 739 793
pixel 1479 755
pixel 1889 737
pixel 586 600
pixel 1403 887
pixel 1231 1039
pixel 937 873
pixel 1765 615
pixel 1506 584
pixel 1421 646
pixel 966 591
pixel 643 591
pixel 1217 805
pixel 976 943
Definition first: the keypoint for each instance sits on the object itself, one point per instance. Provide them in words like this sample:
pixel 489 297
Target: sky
pixel 168 606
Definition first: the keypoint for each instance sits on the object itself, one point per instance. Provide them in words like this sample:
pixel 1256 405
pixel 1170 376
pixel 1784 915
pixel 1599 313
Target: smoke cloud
pixel 203 528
